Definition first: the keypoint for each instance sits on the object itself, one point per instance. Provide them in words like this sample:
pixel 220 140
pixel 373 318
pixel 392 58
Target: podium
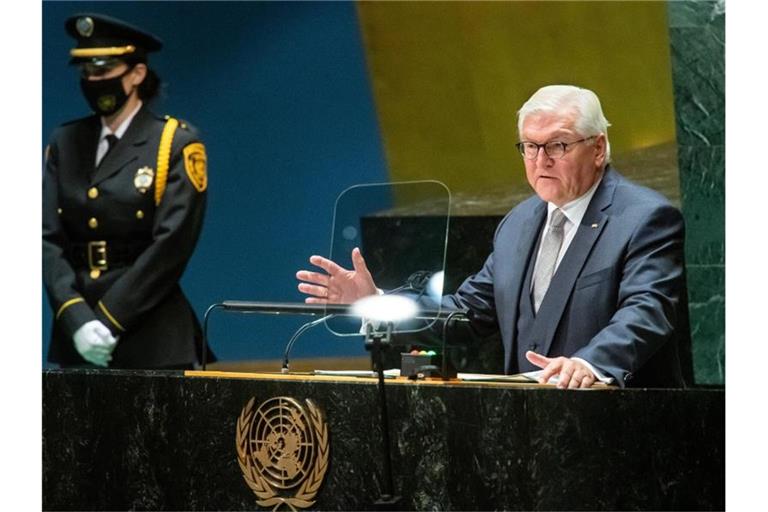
pixel 117 440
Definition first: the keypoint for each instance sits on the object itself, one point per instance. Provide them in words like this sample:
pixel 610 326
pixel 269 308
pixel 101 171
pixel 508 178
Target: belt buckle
pixel 97 255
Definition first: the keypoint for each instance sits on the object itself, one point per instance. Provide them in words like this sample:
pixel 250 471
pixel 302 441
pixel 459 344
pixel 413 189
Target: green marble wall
pixel 697 39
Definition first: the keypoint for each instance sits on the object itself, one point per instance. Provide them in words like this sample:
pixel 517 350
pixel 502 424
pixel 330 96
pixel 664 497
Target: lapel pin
pixel 594 226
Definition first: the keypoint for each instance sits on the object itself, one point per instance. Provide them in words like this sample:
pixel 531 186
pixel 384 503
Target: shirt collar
pixel 105 130
pixel 575 210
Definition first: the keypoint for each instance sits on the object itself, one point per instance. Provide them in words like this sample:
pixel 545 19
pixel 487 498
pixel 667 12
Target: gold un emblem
pixel 282 449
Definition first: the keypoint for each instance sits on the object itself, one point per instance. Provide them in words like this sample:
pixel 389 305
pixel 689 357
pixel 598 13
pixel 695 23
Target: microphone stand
pixel 204 358
pixel 376 342
pixel 299 332
pixel 287 308
pixel 272 308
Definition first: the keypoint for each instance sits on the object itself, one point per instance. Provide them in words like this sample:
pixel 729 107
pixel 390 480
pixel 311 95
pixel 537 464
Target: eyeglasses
pixel 555 149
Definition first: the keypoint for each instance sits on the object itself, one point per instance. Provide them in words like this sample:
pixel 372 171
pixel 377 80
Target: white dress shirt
pixel 103 146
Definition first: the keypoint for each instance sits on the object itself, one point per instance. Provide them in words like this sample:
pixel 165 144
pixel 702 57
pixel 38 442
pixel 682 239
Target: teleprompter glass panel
pixel 401 230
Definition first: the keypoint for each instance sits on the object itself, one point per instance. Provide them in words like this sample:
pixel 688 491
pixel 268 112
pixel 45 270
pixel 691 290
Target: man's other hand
pixel 338 285
pixel 571 373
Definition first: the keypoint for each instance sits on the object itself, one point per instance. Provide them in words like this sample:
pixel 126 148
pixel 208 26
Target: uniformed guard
pixel 124 194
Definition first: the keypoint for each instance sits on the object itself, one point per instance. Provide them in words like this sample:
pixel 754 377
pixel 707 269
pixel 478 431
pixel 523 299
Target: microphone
pixel 274 308
pixel 299 332
pixel 289 308
pixel 416 282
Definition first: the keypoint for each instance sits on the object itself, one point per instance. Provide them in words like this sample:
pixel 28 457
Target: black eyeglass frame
pixel 564 145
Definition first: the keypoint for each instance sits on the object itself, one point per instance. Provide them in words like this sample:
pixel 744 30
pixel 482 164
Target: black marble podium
pixel 119 440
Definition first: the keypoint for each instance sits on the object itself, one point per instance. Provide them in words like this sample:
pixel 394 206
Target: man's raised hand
pixel 338 285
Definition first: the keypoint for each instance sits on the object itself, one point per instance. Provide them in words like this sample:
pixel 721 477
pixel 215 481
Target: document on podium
pixel 388 374
pixel 519 377
pixel 527 377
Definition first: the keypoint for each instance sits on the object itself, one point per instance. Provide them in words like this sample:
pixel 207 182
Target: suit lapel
pixel 561 287
pixel 522 255
pixel 125 151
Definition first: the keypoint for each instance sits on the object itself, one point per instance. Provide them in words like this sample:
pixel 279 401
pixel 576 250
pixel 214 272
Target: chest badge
pixel 143 179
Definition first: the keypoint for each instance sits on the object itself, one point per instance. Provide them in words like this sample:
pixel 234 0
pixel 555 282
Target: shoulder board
pixel 183 124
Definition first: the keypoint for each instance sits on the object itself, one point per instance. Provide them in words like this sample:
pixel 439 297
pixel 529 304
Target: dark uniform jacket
pixel 116 238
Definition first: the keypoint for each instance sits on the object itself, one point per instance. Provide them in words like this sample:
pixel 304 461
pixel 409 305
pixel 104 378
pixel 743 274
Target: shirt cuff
pixel 602 378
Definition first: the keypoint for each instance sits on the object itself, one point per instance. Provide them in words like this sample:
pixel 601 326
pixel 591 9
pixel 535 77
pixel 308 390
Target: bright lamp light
pixel 435 286
pixel 385 308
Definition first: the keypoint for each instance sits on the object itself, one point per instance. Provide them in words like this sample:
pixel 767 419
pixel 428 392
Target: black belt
pixel 102 254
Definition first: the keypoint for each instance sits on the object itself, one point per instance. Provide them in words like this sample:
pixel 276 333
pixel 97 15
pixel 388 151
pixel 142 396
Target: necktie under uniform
pixel 111 142
pixel 550 248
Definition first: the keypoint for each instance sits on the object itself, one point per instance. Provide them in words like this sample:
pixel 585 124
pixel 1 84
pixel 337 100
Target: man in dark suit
pixel 123 203
pixel 586 279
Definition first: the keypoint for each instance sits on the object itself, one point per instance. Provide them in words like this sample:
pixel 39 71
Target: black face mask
pixel 105 96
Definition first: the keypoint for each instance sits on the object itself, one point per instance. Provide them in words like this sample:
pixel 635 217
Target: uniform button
pixel 58 210
pixel 93 192
pixel 139 214
pixel 93 223
pixel 95 273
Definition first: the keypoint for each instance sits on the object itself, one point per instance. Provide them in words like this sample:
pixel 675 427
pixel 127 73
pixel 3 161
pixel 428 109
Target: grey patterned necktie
pixel 545 266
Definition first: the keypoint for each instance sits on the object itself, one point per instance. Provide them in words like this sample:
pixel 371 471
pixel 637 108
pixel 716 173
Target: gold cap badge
pixel 143 179
pixel 84 26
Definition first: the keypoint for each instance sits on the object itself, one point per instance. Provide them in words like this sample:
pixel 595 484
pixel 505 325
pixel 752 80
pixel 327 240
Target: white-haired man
pixel 586 279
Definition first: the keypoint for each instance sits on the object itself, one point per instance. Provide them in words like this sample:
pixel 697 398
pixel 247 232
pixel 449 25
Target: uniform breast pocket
pixel 594 278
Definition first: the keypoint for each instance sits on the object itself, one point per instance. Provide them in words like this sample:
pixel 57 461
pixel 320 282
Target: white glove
pixel 95 342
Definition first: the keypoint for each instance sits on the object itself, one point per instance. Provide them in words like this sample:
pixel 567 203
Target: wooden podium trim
pixel 308 377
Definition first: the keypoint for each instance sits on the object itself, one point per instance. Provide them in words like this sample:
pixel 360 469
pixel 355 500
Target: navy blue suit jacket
pixel 618 298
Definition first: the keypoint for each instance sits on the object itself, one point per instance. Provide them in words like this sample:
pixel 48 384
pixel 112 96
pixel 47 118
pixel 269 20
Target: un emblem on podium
pixel 282 449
